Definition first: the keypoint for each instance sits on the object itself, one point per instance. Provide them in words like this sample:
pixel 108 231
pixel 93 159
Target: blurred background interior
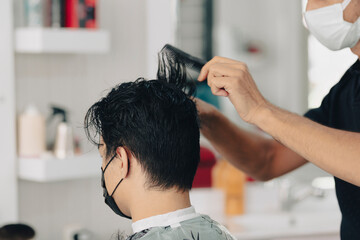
pixel 57 57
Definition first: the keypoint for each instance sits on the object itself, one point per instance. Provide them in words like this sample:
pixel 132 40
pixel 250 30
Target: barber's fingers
pixel 230 78
pixel 232 72
pixel 227 70
pixel 219 91
pixel 219 60
pixel 220 85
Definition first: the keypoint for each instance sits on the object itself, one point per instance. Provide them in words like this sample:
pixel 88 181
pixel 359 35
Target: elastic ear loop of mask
pixel 109 163
pixel 116 187
pixel 119 181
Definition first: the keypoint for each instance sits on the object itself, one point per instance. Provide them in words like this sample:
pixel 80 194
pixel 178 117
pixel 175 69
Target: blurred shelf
pixel 61 40
pixel 53 169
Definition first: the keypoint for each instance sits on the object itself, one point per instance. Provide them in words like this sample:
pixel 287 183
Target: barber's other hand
pixel 204 109
pixel 230 78
pixel 208 115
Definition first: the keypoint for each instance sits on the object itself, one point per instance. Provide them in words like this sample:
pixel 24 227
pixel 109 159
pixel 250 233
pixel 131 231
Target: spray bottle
pixel 64 142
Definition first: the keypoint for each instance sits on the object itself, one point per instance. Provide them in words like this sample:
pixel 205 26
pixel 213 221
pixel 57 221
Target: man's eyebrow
pixel 100 144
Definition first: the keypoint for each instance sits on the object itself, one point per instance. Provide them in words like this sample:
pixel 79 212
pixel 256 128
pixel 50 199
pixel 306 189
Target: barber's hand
pixel 230 78
pixel 208 115
pixel 204 109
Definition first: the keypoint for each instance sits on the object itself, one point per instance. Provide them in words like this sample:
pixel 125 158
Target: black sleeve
pixel 320 114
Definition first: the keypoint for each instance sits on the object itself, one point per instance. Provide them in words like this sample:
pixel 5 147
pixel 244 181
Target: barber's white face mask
pixel 327 24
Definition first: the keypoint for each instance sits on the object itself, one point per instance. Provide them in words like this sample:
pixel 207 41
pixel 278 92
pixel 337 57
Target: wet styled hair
pixel 156 120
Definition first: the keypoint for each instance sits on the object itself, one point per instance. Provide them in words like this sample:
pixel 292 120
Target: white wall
pixel 276 26
pixel 160 29
pixel 8 184
pixel 77 81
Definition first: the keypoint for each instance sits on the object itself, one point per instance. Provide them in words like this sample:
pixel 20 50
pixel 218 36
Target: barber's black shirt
pixel 340 109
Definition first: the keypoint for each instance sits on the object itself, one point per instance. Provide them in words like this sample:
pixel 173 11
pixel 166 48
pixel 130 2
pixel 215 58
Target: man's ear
pixel 123 158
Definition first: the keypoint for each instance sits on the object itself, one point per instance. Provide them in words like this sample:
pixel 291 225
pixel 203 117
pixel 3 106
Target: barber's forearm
pixel 244 150
pixel 335 151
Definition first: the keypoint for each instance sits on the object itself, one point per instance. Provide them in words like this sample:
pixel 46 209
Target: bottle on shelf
pixel 31 133
pixel 232 181
pixel 64 141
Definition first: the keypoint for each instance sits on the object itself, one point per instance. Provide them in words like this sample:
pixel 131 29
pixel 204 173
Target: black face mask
pixel 109 200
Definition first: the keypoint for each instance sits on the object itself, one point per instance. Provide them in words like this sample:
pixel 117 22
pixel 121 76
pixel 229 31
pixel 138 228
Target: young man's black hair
pixel 148 135
pixel 156 120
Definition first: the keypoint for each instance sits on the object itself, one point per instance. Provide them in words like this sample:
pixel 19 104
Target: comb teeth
pixel 190 62
pixel 173 69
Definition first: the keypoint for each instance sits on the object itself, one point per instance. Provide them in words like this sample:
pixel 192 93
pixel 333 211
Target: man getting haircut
pixel 147 132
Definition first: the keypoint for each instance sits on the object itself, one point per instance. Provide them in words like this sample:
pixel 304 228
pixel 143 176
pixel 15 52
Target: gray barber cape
pixel 180 225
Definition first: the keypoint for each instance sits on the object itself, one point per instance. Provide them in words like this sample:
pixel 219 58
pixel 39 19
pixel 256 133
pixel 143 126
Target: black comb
pixel 190 62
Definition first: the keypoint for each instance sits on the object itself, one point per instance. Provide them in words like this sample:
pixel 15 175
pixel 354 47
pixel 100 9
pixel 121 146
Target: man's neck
pixel 156 202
